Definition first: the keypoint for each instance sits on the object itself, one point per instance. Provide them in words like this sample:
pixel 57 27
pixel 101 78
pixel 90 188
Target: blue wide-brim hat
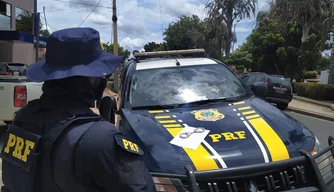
pixel 73 52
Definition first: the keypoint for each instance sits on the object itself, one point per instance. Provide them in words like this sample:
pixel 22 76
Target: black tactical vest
pixel 27 153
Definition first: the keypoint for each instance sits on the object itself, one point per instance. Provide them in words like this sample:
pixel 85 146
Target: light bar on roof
pixel 173 52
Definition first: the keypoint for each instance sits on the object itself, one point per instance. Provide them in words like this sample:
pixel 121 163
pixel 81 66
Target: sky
pixel 139 21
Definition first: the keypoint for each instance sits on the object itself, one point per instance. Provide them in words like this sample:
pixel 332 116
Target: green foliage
pixel 44 33
pixel 179 35
pixel 189 33
pixel 240 58
pixel 121 52
pixel 310 74
pixel 25 23
pixel 324 63
pixel 151 46
pixel 225 12
pixel 315 91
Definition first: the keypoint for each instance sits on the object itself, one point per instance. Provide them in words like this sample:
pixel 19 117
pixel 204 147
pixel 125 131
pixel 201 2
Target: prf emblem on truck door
pixel 2 88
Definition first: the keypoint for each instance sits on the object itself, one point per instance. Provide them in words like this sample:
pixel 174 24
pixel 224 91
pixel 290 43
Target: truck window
pixel 180 85
pixel 277 81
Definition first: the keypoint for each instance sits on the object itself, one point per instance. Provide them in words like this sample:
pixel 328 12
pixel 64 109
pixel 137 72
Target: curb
pixel 310 113
pixel 331 106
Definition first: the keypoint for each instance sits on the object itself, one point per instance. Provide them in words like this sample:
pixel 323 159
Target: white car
pixel 15 91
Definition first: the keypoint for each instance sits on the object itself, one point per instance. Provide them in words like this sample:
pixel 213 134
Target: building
pixel 17 32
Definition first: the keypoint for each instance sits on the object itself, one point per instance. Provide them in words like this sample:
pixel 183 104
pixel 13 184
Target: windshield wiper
pixel 156 107
pixel 200 102
pixel 207 101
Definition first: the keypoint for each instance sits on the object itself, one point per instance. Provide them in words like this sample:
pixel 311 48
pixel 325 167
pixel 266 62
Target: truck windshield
pixel 181 85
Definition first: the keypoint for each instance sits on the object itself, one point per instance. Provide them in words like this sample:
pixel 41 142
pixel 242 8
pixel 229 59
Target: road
pixel 321 128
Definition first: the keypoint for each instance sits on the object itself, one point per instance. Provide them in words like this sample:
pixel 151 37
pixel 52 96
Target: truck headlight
pixel 166 184
pixel 317 147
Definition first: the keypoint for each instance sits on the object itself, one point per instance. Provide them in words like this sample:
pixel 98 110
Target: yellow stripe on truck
pixel 172 125
pixel 239 103
pixel 274 143
pixel 244 108
pixel 163 117
pixel 156 111
pixel 167 121
pixel 200 157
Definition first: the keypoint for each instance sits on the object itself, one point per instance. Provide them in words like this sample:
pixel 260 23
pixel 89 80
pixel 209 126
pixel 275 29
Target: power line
pixel 90 13
pixel 46 23
pixel 64 10
pixel 50 25
pixel 76 2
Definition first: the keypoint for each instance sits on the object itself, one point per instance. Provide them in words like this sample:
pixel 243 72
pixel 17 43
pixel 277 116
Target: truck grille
pixel 308 173
pixel 279 181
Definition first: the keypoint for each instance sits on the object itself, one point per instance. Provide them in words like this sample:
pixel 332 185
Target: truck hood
pixel 242 133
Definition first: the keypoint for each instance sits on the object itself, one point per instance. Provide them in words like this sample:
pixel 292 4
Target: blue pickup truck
pixel 201 128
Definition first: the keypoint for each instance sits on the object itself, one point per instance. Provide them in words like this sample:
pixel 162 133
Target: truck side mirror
pixel 108 107
pixel 259 88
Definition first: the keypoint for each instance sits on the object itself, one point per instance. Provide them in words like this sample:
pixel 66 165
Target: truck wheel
pixel 282 106
pixel 8 122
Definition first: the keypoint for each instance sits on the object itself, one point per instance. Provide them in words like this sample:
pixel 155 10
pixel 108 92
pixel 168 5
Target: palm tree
pixel 305 13
pixel 226 12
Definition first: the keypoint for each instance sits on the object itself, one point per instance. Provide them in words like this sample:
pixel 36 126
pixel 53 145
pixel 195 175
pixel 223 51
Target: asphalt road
pixel 321 128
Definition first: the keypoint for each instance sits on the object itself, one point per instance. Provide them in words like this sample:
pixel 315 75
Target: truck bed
pixel 7 87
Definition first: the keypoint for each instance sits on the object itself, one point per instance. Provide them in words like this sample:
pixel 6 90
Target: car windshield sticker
pixel 191 142
pixel 208 115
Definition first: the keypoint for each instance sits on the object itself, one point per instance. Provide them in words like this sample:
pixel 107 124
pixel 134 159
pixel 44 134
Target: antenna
pixel 177 62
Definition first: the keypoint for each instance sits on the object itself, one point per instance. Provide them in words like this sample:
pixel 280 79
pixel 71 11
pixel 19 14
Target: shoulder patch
pixel 128 145
pixel 20 147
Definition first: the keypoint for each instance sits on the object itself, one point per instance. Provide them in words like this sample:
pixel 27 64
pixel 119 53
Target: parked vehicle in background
pixel 11 68
pixel 15 90
pixel 279 87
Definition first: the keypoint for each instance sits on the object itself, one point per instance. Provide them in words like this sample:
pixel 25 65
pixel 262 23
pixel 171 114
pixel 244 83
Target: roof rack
pixel 171 54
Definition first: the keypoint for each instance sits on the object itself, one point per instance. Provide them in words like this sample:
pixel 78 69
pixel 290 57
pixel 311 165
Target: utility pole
pixel 37 34
pixel 46 24
pixel 114 19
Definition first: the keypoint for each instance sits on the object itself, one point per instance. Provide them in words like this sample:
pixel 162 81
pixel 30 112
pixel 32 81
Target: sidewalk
pixel 311 108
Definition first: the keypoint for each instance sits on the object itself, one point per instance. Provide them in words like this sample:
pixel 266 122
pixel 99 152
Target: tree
pixel 180 34
pixel 191 32
pixel 44 33
pixel 209 36
pixel 226 12
pixel 151 46
pixel 241 58
pixel 110 49
pixel 305 13
pixel 25 22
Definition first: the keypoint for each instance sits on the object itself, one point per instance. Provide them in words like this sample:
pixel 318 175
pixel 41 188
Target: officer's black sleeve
pixel 102 162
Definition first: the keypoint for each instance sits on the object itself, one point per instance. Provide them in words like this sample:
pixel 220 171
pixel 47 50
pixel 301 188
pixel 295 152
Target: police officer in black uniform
pixel 57 143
